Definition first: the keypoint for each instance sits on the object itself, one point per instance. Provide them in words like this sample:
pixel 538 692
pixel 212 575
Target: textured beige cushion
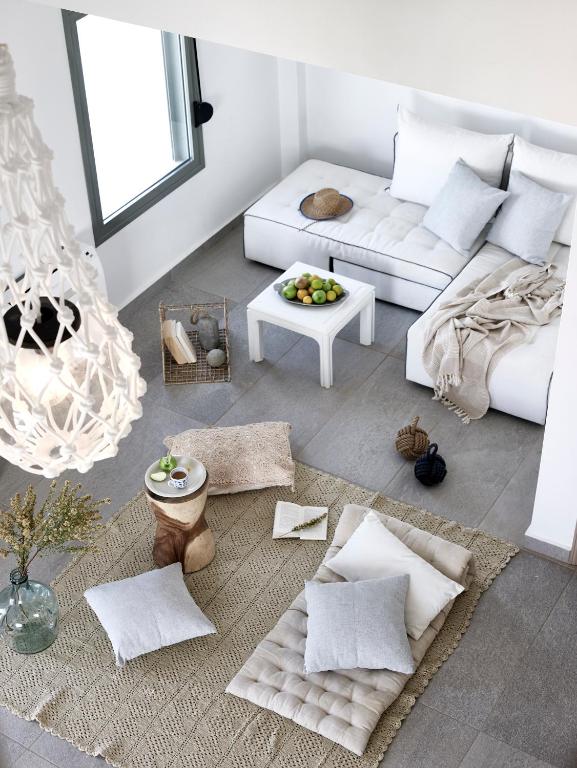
pixel 242 458
pixel 343 706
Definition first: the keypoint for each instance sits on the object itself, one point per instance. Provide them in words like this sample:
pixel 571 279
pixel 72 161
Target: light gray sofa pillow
pixel 357 624
pixel 462 208
pixel 529 218
pixel 147 612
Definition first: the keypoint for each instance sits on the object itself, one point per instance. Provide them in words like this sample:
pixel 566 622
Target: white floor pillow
pixel 147 612
pixel 373 552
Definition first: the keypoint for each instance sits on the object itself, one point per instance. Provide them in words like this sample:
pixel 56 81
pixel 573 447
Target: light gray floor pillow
pixel 147 612
pixel 357 625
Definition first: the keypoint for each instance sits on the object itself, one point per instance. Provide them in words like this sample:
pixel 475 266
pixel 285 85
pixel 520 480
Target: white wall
pixel 555 512
pixel 516 54
pixel 241 143
pixel 351 120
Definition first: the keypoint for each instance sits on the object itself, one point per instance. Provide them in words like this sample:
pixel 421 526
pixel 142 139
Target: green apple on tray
pixel 312 289
pixel 165 465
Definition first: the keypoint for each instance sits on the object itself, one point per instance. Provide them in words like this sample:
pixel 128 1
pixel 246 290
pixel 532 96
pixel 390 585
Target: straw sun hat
pixel 325 204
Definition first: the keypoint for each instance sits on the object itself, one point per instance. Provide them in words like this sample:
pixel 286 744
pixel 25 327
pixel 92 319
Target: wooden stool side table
pixel 182 533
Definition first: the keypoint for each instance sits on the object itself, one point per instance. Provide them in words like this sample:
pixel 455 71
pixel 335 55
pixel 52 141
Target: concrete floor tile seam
pixel 451 716
pixel 549 559
pixel 322 426
pixel 503 490
pixel 524 655
pixel 500 741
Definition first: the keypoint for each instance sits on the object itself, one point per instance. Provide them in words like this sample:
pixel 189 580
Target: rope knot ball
pixel 431 469
pixel 412 441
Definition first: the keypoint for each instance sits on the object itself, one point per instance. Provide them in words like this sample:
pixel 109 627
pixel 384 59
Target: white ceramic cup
pixel 181 479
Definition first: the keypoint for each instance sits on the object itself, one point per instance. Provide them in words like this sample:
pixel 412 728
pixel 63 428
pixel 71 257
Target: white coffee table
pixel 319 323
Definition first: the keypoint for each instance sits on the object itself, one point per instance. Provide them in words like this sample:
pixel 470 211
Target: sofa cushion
pixel 528 220
pixel 427 150
pixel 555 170
pixel 380 232
pixel 463 207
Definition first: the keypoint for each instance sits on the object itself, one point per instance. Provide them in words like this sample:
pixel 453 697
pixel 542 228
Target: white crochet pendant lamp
pixel 69 380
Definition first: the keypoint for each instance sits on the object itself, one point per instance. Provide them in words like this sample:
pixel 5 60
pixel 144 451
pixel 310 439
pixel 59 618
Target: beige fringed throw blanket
pixel 469 333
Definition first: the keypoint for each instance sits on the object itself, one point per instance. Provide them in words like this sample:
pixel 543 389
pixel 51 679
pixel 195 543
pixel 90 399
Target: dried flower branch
pixel 306 524
pixel 65 522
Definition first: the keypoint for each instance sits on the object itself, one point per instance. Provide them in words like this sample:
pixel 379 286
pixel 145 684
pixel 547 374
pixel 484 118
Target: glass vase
pixel 28 614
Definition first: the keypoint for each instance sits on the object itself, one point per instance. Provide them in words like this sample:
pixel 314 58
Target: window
pixel 135 90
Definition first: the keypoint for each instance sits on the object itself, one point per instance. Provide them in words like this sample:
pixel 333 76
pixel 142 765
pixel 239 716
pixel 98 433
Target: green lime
pixel 327 286
pixel 319 297
pixel 306 274
pixel 317 284
pixel 289 291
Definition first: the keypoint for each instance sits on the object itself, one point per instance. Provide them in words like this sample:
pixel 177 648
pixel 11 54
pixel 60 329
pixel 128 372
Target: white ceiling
pixel 517 54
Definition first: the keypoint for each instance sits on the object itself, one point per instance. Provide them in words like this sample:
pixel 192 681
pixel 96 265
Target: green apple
pixel 289 291
pixel 319 297
pixel 167 463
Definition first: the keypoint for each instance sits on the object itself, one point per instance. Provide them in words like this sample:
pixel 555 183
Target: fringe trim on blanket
pixel 451 406
pixel 446 380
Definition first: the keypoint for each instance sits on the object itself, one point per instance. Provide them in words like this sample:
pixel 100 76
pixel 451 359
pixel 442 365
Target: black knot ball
pixel 430 468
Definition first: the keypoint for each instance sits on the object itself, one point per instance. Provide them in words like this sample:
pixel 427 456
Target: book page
pixel 286 516
pixel 316 532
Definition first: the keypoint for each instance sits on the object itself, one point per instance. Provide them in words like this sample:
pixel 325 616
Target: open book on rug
pixel 292 521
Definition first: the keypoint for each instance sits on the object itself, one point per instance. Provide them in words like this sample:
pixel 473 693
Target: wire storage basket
pixel 200 372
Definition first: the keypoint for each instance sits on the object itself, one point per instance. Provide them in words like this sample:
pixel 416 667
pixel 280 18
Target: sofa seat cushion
pixel 380 232
pixel 520 382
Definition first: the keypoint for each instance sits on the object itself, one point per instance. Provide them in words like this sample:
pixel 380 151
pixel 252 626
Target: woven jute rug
pixel 168 709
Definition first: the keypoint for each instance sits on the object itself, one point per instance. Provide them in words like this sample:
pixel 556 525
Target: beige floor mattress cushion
pixel 343 706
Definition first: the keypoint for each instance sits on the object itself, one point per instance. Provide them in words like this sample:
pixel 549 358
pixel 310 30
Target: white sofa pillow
pixel 373 552
pixel 426 151
pixel 462 208
pixel 147 612
pixel 554 170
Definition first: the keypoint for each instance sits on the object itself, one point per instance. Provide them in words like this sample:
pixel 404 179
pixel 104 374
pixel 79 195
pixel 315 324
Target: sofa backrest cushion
pixel 551 169
pixel 426 151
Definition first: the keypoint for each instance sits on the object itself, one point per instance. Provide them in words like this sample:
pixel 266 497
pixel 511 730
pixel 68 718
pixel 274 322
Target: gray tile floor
pixel 507 696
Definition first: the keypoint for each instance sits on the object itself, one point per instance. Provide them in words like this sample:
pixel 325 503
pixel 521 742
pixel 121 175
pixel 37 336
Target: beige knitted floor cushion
pixel 345 705
pixel 169 709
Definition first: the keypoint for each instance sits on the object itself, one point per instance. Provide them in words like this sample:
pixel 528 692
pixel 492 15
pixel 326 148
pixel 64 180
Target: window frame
pixel 103 229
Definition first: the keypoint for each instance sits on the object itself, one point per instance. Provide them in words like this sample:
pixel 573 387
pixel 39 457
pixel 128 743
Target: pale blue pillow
pixel 462 208
pixel 358 624
pixel 529 218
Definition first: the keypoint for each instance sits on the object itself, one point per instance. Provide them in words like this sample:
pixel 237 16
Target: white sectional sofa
pixel 380 241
